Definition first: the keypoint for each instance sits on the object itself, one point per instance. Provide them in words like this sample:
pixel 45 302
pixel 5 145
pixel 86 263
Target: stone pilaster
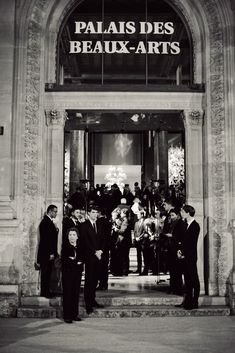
pixel 193 121
pixel 55 120
pixel 232 289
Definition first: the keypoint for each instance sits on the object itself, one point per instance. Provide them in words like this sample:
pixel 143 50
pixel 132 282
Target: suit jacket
pixel 48 237
pixel 139 228
pixel 67 224
pixel 91 240
pixel 71 255
pixel 167 224
pixel 189 242
pixel 105 232
pixel 178 230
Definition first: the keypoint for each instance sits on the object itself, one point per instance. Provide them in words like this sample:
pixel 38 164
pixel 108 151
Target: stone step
pixel 114 299
pixel 126 311
pixel 156 311
pixel 37 312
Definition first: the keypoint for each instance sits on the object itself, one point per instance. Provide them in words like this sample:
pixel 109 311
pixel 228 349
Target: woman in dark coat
pixel 72 267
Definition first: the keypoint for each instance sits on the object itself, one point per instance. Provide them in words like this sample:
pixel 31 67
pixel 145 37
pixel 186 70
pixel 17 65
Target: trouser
pixel 71 281
pixel 146 256
pixel 92 268
pixel 46 270
pixel 192 284
pixel 139 257
pixel 104 270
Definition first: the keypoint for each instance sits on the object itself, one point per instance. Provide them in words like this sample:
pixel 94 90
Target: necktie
pixel 94 226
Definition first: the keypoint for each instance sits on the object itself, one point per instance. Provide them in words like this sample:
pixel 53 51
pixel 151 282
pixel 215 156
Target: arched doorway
pixel 86 65
pixel 56 102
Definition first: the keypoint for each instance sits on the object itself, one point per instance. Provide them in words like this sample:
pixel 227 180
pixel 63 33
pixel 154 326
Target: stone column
pixel 77 150
pixel 231 293
pixel 193 120
pixel 156 155
pixel 163 157
pixel 55 162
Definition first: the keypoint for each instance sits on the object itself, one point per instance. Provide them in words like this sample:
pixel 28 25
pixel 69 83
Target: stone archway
pixel 40 32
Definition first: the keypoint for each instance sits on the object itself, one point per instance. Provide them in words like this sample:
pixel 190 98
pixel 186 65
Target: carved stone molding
pixel 192 117
pixel 196 44
pixel 56 117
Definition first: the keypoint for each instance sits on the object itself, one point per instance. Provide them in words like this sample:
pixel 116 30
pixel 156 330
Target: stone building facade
pixel 32 131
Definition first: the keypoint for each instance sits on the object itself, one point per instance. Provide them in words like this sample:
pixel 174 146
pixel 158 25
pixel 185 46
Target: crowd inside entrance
pixel 144 219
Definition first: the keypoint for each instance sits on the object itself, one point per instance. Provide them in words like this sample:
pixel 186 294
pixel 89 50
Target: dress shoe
pixel 179 305
pixel 99 288
pixel 195 305
pixel 102 288
pixel 50 296
pixel 97 305
pixel 68 321
pixel 188 307
pixel 89 310
pixel 77 319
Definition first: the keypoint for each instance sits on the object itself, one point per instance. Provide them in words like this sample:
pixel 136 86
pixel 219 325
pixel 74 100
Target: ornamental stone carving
pixel 56 117
pixel 192 118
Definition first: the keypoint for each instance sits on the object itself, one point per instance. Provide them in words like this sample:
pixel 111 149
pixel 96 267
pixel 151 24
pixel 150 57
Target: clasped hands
pixel 98 254
pixel 180 255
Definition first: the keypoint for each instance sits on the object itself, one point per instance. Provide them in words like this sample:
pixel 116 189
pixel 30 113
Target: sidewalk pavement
pixel 122 335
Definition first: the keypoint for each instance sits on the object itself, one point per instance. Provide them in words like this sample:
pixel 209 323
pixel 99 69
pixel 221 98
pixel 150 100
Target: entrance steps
pixel 125 304
pixel 114 311
pixel 130 296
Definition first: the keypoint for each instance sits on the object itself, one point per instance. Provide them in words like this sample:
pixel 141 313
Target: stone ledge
pixel 125 311
pixel 35 301
pixel 6 211
pixel 135 311
pixel 9 303
pixel 9 289
pixel 8 223
pixel 35 312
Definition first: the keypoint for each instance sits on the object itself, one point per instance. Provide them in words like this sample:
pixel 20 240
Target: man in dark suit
pixel 188 253
pixel 92 247
pixel 71 222
pixel 168 204
pixel 175 240
pixel 47 248
pixel 105 225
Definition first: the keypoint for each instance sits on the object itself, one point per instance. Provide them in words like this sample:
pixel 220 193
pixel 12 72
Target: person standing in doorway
pixel 175 266
pixel 188 253
pixel 71 222
pixel 106 241
pixel 92 247
pixel 138 237
pixel 47 249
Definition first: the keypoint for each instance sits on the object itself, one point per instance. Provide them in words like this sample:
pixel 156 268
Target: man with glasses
pixel 47 249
